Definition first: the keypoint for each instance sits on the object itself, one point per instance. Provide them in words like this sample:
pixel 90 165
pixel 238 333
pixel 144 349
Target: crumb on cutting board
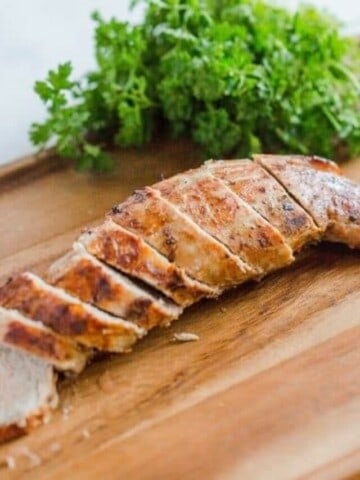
pixel 10 462
pixel 34 460
pixel 55 447
pixel 66 410
pixel 185 337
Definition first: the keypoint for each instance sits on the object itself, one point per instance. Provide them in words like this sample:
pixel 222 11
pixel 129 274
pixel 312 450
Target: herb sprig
pixel 237 76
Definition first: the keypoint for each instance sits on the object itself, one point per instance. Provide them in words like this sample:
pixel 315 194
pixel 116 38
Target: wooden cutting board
pixel 270 391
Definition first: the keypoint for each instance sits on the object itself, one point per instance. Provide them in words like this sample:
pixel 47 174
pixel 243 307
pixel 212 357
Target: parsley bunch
pixel 237 76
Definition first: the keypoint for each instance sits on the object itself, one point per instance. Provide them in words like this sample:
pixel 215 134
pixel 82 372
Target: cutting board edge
pixel 30 167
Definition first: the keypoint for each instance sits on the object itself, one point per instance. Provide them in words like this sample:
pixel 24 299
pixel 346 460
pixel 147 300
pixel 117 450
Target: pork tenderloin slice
pixel 28 392
pixel 320 188
pixel 68 315
pixel 130 254
pixel 212 205
pixel 33 337
pixel 267 196
pixel 87 278
pixel 180 240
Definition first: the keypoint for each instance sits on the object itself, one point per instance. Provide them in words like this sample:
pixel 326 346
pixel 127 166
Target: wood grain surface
pixel 270 391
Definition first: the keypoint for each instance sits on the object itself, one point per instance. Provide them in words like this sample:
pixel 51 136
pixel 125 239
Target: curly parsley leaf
pixel 235 76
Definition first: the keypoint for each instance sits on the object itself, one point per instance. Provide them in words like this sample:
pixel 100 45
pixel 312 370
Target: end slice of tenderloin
pixel 215 208
pixel 28 391
pixel 87 278
pixel 180 240
pixel 33 337
pixel 318 185
pixel 67 315
pixel 253 184
pixel 130 254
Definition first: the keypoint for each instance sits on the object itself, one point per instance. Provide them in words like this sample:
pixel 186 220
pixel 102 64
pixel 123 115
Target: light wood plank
pixel 276 369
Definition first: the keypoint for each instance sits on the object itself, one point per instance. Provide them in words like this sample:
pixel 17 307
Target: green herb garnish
pixel 236 76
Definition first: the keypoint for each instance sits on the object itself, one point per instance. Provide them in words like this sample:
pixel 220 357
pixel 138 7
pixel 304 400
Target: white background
pixel 36 35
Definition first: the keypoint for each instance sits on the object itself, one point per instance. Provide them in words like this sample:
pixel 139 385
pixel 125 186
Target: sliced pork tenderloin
pixel 319 187
pixel 67 315
pixel 87 278
pixel 28 391
pixel 211 204
pixel 188 237
pixel 33 337
pixel 254 185
pixel 130 254
pixel 180 240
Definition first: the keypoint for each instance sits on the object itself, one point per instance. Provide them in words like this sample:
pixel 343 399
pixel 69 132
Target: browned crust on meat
pixel 130 254
pixel 88 282
pixel 64 317
pixel 10 432
pixel 13 431
pixel 212 205
pixel 264 194
pixel 19 335
pixel 321 164
pixel 42 342
pixel 318 185
pixel 92 282
pixel 35 341
pixel 172 233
